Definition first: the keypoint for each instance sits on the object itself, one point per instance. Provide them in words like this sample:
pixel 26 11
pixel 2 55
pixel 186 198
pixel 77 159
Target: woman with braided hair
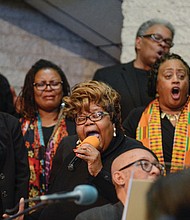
pixel 43 124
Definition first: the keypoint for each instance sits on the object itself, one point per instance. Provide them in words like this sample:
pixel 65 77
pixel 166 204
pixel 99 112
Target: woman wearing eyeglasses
pixel 43 124
pixel 164 125
pixel 96 110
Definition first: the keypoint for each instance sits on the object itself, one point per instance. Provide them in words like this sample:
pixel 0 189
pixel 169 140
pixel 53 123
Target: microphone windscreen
pixel 92 140
pixel 87 194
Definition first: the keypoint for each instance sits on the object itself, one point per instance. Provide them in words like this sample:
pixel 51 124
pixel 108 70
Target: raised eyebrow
pixel 168 71
pixel 169 68
pixel 181 69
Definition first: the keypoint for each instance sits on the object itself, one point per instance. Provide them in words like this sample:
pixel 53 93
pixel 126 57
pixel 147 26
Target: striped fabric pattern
pixel 149 133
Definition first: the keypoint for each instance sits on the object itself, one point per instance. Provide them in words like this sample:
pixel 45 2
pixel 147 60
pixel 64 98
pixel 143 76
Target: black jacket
pixel 14 169
pixel 131 83
pixel 64 180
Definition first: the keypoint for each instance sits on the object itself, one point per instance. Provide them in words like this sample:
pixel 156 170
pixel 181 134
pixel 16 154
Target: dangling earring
pixel 157 95
pixel 114 132
pixel 78 142
pixel 62 104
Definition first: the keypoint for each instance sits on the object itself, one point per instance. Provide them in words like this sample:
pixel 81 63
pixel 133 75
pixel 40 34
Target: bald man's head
pixel 130 156
pixel 138 162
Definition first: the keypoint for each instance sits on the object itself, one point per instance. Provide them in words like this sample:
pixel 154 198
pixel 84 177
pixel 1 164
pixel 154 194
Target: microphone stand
pixel 41 204
pixel 37 206
pixel 27 210
pixel 80 196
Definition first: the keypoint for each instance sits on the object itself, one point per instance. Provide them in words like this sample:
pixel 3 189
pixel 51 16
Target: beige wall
pixel 136 12
pixel 26 36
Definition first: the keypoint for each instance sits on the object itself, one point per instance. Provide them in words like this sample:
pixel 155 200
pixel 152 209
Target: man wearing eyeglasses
pixel 153 39
pixel 138 161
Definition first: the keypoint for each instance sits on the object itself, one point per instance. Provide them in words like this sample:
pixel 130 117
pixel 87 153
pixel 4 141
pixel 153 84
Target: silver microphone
pixel 81 195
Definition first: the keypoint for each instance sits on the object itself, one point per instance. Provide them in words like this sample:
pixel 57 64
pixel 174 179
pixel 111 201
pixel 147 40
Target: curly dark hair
pixel 26 97
pixel 154 71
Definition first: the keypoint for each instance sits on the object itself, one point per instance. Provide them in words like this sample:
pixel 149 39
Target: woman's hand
pixel 92 156
pixel 21 209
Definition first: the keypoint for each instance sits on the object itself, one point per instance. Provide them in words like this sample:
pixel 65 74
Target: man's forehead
pixel 137 153
pixel 128 153
pixel 133 154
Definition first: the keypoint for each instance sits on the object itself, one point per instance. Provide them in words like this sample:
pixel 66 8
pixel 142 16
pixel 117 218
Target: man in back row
pixel 153 39
pixel 138 161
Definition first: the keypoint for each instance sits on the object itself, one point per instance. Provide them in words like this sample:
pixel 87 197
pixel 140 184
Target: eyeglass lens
pixel 42 86
pixel 96 116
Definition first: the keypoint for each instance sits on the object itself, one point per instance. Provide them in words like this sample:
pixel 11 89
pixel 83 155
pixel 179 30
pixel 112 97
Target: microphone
pixel 92 140
pixel 81 195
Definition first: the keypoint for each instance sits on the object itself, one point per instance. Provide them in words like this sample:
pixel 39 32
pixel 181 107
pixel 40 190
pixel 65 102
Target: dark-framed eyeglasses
pixel 146 165
pixel 158 38
pixel 95 116
pixel 43 85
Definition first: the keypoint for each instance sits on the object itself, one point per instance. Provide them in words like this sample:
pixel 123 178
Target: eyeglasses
pixel 43 85
pixel 95 116
pixel 146 166
pixel 158 38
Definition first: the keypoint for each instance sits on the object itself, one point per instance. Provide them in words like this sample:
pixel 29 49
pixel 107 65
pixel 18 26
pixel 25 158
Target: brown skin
pixel 148 51
pixel 104 131
pixel 172 74
pixel 48 101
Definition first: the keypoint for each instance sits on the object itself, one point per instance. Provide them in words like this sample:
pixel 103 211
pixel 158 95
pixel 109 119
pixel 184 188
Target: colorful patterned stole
pixel 40 157
pixel 149 133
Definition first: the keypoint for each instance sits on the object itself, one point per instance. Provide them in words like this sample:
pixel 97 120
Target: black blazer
pixel 14 169
pixel 130 82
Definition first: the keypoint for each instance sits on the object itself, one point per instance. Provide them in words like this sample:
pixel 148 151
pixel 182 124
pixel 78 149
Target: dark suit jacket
pixel 130 82
pixel 14 169
pixel 106 212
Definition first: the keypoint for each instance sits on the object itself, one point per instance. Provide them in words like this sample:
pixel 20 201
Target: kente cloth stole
pixel 149 133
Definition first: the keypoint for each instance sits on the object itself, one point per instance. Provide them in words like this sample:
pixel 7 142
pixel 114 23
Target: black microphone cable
pixel 25 211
